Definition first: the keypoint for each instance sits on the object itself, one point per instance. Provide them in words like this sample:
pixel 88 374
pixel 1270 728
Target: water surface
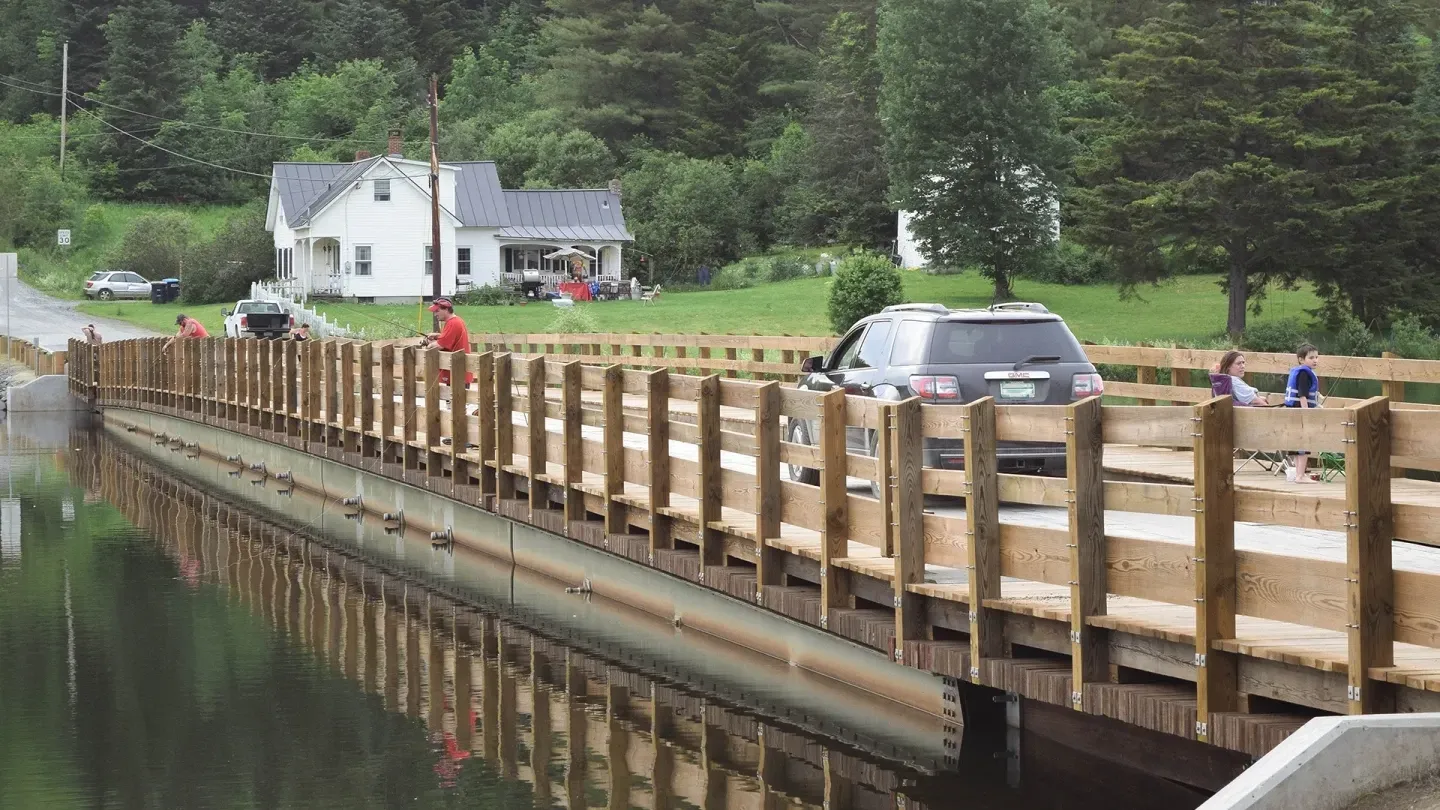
pixel 163 647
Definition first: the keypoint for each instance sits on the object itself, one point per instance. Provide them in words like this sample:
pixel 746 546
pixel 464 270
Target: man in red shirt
pixel 452 337
pixel 188 328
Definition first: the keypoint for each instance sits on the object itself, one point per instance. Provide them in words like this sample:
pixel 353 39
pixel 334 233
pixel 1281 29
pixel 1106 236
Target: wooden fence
pixel 685 473
pixel 39 360
pixel 778 357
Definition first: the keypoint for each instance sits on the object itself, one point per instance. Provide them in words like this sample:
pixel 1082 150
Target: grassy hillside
pixel 1188 309
pixel 101 228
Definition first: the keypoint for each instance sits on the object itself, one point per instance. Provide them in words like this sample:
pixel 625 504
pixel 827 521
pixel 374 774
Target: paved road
pixel 54 321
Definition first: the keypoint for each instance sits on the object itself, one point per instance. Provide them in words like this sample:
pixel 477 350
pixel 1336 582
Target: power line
pixel 152 145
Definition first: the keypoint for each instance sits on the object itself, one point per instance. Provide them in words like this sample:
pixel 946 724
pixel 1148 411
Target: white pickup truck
pixel 261 319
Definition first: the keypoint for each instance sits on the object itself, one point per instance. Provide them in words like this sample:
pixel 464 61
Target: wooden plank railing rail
pixel 40 361
pixel 684 473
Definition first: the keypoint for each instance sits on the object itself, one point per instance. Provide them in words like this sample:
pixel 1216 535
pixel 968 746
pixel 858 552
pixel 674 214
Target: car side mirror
pixel 224 313
pixel 810 365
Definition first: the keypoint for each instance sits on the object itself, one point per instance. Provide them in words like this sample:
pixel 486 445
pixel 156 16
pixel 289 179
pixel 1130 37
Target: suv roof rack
pixel 940 308
pixel 1024 306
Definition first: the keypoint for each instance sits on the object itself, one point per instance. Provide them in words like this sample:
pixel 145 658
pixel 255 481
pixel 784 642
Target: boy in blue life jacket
pixel 1302 390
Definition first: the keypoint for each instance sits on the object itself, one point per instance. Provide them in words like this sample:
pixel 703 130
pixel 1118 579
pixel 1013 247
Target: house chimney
pixel 395 144
pixel 614 187
pixel 362 154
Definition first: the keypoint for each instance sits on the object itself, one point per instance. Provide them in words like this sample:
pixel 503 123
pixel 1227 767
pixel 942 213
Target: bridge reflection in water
pixel 578 729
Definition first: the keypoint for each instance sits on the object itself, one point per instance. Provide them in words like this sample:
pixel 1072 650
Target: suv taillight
pixel 89 284
pixel 1087 385
pixel 938 388
pixel 244 321
pixel 292 321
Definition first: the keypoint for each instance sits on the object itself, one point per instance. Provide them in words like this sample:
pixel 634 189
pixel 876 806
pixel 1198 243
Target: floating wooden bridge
pixel 1224 635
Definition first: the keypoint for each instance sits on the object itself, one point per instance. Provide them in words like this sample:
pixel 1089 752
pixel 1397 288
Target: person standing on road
pixel 452 337
pixel 188 328
pixel 92 335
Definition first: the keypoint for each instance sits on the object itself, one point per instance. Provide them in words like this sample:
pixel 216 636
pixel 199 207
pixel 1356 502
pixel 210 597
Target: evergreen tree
pixel 361 29
pixel 440 29
pixel 82 22
pixel 850 178
pixel 278 33
pixel 1366 161
pixel 973 145
pixel 145 83
pixel 29 53
pixel 1209 157
pixel 616 68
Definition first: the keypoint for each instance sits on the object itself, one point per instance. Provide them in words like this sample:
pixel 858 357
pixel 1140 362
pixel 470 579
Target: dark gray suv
pixel 1020 354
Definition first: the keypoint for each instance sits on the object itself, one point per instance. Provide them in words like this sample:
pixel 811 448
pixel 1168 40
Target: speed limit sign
pixel 62 236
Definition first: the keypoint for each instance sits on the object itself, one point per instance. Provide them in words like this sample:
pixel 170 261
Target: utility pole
pixel 64 100
pixel 435 187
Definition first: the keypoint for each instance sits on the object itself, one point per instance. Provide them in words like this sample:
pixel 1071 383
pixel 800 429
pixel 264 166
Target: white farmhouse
pixel 361 231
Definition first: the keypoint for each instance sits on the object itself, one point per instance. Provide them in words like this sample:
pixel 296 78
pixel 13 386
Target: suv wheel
pixel 799 433
pixel 105 295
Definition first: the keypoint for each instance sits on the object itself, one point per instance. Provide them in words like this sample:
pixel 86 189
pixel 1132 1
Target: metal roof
pixel 479 202
pixel 565 215
pixel 300 184
pixel 568 215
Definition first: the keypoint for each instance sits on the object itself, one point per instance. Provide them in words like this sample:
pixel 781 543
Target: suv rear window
pixel 100 275
pixel 257 308
pixel 955 342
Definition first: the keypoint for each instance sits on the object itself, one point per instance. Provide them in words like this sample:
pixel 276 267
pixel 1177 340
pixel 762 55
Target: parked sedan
pixel 108 284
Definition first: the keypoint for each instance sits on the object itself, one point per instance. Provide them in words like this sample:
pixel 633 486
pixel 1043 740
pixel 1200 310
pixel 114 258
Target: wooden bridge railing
pixel 778 357
pixel 685 473
pixel 39 360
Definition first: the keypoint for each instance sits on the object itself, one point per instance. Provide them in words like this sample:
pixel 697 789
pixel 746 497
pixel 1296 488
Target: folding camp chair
pixel 1271 461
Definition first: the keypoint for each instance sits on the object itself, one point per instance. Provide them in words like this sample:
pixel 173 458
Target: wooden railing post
pixel 387 404
pixel 1393 390
pixel 433 426
pixel 1369 538
pixel 612 410
pixel 314 395
pixel 535 419
pixel 504 427
pixel 459 419
pixel 908 494
pixel 1145 375
pixel 768 559
pixel 571 405
pixel 657 411
pixel 409 433
pixel 982 527
pixel 711 494
pixel 485 404
pixel 333 437
pixel 265 388
pixel 293 373
pixel 1085 474
pixel 242 378
pixel 835 538
pixel 1216 671
pixel 349 442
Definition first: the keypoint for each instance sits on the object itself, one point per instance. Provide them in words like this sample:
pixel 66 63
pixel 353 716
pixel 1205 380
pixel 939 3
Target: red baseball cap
pixel 442 303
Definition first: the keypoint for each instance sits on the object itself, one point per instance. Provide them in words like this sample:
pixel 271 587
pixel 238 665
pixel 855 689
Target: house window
pixel 382 191
pixel 462 261
pixel 429 260
pixel 362 260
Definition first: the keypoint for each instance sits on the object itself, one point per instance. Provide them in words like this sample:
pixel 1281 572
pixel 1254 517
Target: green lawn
pixel 1188 309
pixel 160 317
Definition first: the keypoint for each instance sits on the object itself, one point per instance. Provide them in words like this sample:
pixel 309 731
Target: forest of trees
pixel 1272 141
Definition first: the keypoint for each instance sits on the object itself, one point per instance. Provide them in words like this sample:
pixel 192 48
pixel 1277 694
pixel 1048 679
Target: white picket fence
pixel 320 325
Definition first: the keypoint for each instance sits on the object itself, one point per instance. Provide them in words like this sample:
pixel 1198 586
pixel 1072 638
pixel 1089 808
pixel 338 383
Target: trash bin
pixel 165 291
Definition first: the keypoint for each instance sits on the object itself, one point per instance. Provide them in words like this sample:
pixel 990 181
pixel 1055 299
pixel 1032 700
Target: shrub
pixel 1354 339
pixel 736 276
pixel 486 295
pixel 1411 338
pixel 784 268
pixel 222 268
pixel 1071 263
pixel 864 284
pixel 1275 336
pixel 574 320
pixel 156 245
